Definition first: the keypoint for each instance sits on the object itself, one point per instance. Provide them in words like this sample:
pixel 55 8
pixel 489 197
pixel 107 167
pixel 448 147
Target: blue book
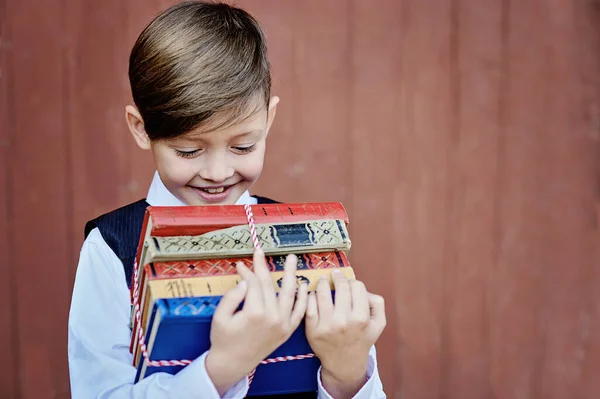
pixel 179 328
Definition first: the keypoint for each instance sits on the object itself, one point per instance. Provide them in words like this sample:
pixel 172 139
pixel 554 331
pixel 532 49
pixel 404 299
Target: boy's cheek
pixel 251 171
pixel 175 174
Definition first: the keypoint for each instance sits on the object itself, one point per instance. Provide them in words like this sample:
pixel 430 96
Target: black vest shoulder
pixel 121 230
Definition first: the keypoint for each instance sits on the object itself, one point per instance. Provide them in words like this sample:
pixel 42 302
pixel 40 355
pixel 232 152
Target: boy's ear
pixel 271 112
pixel 136 127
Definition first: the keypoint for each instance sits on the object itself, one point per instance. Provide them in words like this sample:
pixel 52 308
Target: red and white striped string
pixel 138 316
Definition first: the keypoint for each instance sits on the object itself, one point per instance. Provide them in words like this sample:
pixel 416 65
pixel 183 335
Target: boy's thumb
pixel 231 300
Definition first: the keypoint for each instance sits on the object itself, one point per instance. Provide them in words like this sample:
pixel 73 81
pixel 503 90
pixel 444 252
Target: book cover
pixel 275 239
pixel 180 329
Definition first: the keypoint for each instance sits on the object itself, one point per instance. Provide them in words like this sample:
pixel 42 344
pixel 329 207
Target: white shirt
pixel 100 364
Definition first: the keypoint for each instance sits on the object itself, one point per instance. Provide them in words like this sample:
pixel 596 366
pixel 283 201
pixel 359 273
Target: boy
pixel 200 82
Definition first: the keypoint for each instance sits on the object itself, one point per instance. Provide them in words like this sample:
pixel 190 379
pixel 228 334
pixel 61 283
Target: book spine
pixel 219 285
pixel 275 239
pixel 226 266
pixel 196 220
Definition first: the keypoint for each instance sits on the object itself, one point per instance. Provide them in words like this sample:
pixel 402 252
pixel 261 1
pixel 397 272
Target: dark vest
pixel 121 230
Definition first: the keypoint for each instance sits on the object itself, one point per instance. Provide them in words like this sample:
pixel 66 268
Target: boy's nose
pixel 216 172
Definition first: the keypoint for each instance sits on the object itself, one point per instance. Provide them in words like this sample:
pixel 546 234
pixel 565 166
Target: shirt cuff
pixel 367 389
pixel 193 381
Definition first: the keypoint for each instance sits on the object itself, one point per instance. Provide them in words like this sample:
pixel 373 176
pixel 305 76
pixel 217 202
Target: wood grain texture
pixel 588 33
pixel 568 197
pixel 476 44
pixel 420 212
pixel 39 199
pixel 9 364
pixel 373 162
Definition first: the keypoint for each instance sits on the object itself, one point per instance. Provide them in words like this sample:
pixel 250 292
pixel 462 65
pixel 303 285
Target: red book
pixel 196 220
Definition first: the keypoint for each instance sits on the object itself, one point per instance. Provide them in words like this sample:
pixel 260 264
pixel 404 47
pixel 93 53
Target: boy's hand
pixel 342 335
pixel 241 340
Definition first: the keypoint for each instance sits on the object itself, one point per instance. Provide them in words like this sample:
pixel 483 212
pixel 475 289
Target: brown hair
pixel 197 60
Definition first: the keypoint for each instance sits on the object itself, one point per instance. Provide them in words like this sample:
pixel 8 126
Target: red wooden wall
pixel 462 136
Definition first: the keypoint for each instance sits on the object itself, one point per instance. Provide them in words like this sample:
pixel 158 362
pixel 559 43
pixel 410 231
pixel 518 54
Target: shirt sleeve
pixel 100 364
pixel 372 389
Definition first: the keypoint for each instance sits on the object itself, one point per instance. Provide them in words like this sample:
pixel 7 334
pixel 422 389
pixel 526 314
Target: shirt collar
pixel 159 195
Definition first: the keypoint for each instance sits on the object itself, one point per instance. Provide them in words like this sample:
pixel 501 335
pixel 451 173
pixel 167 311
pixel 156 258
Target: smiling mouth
pixel 214 194
pixel 214 190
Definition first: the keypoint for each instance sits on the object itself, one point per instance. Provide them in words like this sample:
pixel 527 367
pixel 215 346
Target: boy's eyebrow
pixel 248 133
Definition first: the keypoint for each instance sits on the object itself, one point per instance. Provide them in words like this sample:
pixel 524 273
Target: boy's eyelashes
pixel 192 153
pixel 245 149
pixel 186 154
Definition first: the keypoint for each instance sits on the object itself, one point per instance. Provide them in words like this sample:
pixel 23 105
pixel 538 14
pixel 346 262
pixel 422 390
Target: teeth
pixel 215 190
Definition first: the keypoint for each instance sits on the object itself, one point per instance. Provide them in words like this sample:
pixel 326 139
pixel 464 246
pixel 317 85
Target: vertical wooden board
pixel 517 279
pixel 313 159
pixel 373 161
pixel 421 188
pixel 568 170
pixel 472 171
pixel 8 329
pixel 588 15
pixel 39 198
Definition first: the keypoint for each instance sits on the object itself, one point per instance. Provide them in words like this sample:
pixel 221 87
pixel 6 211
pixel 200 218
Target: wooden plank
pixel 373 163
pixel 420 192
pixel 472 173
pixel 39 199
pixel 587 15
pixel 568 172
pixel 517 284
pixel 8 328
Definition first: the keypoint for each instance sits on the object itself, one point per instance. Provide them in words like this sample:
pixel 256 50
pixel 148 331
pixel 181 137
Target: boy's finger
pixel 261 270
pixel 288 286
pixel 312 311
pixel 343 299
pixel 360 300
pixel 267 291
pixel 300 307
pixel 377 305
pixel 230 302
pixel 254 297
pixel 324 299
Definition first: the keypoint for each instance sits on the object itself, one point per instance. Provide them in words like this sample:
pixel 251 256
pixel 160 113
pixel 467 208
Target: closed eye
pixel 186 154
pixel 245 150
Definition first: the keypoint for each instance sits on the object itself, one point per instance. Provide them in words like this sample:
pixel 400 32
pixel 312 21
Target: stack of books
pixel 186 262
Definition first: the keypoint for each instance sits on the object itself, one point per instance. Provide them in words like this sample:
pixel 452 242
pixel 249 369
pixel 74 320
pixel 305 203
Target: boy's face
pixel 209 168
